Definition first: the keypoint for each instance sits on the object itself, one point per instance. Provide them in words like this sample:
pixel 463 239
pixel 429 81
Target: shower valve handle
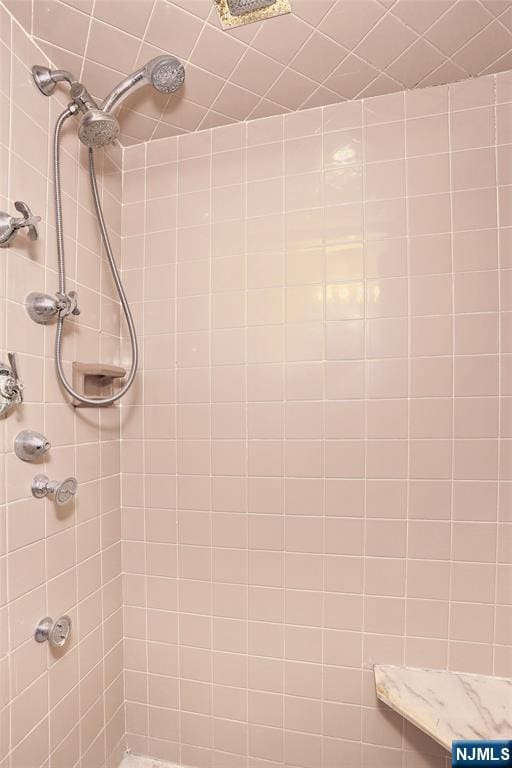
pixel 17 385
pixel 59 491
pixel 42 307
pixel 67 304
pixel 27 220
pixel 11 387
pixel 9 225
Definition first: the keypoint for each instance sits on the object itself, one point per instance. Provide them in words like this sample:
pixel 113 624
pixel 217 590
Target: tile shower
pixel 312 473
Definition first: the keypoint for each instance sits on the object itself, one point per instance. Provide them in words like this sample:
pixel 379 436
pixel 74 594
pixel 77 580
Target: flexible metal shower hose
pixel 62 274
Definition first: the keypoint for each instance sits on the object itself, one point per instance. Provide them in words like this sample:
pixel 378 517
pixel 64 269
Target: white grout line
pixel 131 760
pixel 365 459
pixel 409 374
pixel 176 479
pixel 452 455
pixel 246 412
pixel 143 37
pixel 84 57
pixel 500 393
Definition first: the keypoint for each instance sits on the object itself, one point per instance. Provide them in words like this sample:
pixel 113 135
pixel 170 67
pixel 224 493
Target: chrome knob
pixel 57 633
pixel 59 491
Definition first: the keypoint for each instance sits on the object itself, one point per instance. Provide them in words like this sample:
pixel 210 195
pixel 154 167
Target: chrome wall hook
pixel 10 225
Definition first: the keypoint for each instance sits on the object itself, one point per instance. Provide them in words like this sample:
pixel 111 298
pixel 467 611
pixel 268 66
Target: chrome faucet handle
pixel 28 219
pixel 17 384
pixel 59 491
pixel 43 308
pixel 9 225
pixel 11 387
pixel 55 632
pixel 67 304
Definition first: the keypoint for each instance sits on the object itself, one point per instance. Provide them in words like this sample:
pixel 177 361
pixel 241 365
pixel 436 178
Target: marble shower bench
pixel 448 705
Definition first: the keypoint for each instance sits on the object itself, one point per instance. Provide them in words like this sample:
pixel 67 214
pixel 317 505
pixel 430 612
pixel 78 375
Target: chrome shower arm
pixel 135 80
pixel 62 75
pixel 46 79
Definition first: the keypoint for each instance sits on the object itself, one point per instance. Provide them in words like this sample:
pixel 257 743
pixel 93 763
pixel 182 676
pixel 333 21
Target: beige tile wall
pixel 313 475
pixel 60 709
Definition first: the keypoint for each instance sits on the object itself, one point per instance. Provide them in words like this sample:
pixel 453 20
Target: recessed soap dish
pixel 95 380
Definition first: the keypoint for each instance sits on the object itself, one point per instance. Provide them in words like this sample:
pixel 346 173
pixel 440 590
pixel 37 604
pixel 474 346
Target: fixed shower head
pixel 165 73
pixel 98 128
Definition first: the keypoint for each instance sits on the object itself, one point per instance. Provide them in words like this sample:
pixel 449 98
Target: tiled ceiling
pixel 324 52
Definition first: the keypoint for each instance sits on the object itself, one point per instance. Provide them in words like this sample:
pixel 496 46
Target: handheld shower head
pixel 165 73
pixel 98 128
